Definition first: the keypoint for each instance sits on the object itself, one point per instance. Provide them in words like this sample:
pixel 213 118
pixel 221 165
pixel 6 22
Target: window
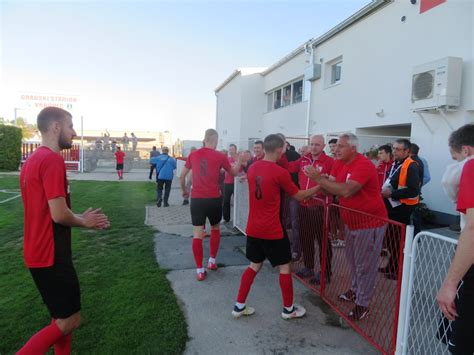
pixel 291 93
pixel 297 91
pixel 277 99
pixel 336 72
pixel 286 96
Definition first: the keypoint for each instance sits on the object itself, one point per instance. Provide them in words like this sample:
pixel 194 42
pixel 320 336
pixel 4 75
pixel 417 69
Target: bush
pixel 10 147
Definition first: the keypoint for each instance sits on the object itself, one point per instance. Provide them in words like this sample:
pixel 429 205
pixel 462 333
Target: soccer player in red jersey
pixel 206 200
pixel 119 157
pixel 265 238
pixel 47 232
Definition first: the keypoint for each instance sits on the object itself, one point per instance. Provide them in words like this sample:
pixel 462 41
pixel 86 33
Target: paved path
pixel 208 305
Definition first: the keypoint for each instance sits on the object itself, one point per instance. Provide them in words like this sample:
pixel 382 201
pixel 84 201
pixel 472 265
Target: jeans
pixel 228 192
pixel 159 189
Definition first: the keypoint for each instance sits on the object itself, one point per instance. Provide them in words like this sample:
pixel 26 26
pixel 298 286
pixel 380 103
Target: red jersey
pixel 43 178
pixel 283 162
pixel 206 164
pixel 382 172
pixel 466 192
pixel 119 155
pixel 323 163
pixel 368 199
pixel 229 178
pixel 266 179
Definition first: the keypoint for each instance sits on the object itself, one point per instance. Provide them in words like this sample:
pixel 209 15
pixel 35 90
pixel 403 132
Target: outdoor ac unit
pixel 312 72
pixel 437 85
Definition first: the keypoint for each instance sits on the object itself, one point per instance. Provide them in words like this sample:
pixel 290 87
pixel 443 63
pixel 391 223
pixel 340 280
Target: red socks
pixel 42 341
pixel 214 242
pixel 286 285
pixel 197 252
pixel 245 283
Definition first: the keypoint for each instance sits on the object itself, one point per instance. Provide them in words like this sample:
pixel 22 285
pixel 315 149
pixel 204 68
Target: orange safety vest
pixel 402 183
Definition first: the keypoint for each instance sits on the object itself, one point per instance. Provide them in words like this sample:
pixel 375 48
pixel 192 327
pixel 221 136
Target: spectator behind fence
pixel 456 295
pixel 125 141
pixel 311 212
pixel 106 140
pixel 265 237
pixel 258 153
pixel 424 179
pixel 153 153
pixel 206 202
pixel 134 142
pixel 165 166
pixel 332 147
pixel 354 179
pixel 303 150
pixel 401 192
pixel 385 163
pixel 229 183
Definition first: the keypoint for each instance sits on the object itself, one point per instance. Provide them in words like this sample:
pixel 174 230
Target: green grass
pixel 128 305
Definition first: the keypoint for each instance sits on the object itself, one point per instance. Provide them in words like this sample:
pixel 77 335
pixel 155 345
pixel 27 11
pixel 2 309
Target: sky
pixel 148 65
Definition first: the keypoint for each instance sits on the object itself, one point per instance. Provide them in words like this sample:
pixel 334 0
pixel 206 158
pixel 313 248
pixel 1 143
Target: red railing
pixel 71 156
pixel 340 250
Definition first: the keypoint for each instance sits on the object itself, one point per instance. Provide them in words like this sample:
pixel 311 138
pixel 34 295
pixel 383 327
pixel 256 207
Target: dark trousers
pixel 311 221
pixel 159 189
pixel 152 167
pixel 228 192
pixel 400 214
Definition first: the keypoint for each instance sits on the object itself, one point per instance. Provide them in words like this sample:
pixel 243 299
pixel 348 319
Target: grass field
pixel 128 305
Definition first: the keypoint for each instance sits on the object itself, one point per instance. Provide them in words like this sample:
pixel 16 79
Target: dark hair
pixel 154 147
pixel 258 142
pixel 415 149
pixel 333 141
pixel 232 145
pixel 49 115
pixel 406 143
pixel 462 136
pixel 272 142
pixel 293 148
pixel 386 148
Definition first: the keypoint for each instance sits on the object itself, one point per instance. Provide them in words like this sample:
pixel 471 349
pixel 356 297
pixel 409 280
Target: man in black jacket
pixel 401 192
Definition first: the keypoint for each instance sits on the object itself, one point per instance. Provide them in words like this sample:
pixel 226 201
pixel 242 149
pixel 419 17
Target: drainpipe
pixel 310 51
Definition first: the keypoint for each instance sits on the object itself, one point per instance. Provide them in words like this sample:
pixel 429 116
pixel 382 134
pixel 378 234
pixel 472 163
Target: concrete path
pixel 208 304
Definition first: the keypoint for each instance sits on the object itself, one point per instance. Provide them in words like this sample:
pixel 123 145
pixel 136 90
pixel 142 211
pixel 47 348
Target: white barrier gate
pixel 426 264
pixel 241 204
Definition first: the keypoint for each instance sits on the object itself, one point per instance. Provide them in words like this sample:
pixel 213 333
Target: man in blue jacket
pixel 165 165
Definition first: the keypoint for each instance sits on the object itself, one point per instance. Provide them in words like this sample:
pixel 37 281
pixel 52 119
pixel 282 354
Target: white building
pixel 361 79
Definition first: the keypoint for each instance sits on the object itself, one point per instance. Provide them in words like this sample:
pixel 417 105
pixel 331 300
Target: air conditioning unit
pixel 437 85
pixel 312 72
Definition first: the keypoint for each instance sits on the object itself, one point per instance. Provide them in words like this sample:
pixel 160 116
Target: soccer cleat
pixel 358 313
pixel 297 312
pixel 201 276
pixel 246 311
pixel 211 266
pixel 348 296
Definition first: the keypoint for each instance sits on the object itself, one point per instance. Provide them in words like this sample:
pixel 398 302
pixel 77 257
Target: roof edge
pixel 359 15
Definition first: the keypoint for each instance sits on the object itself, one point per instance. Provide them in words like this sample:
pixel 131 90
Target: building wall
pixel 290 120
pixel 377 71
pixel 285 73
pixel 254 98
pixel 228 111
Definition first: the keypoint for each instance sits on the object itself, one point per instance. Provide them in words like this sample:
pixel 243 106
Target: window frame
pixel 273 93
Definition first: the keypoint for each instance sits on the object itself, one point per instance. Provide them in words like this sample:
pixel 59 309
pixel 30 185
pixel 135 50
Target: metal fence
pixel 422 325
pixel 338 249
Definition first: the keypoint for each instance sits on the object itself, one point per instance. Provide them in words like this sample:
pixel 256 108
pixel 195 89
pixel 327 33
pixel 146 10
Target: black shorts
pixel 202 208
pixel 461 339
pixel 278 251
pixel 59 288
pixel 119 167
